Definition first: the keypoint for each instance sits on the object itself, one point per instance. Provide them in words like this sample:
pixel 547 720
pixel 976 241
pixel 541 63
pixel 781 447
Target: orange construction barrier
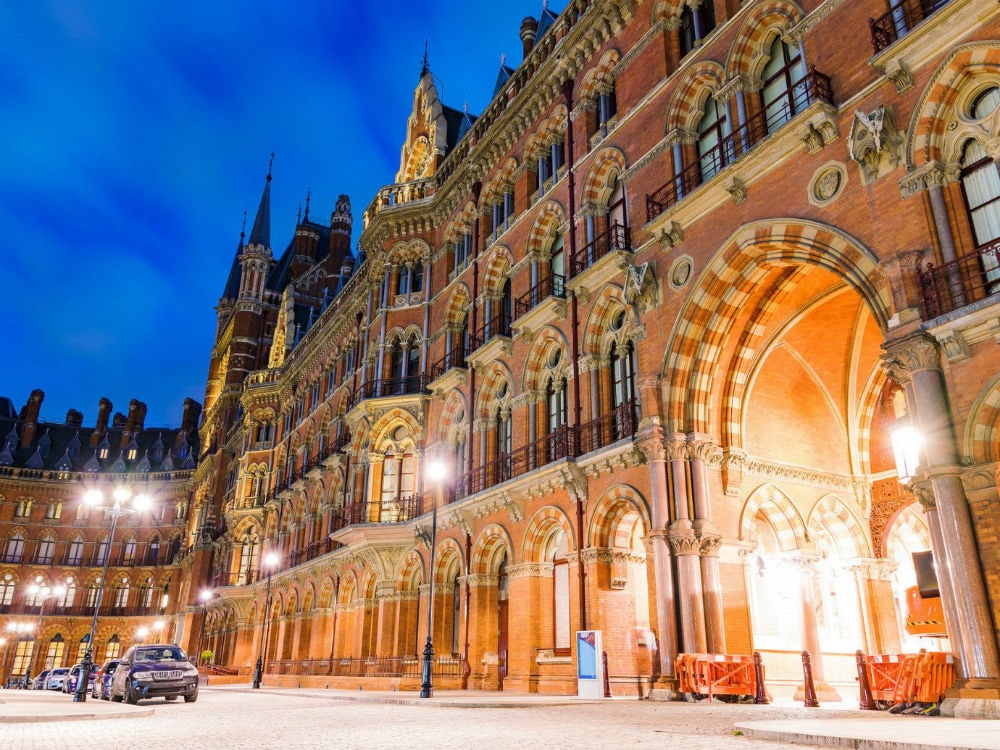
pixel 924 615
pixel 711 674
pixel 910 678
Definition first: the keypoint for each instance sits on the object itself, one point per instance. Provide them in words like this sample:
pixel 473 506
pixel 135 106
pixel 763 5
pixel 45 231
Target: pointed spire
pixel 309 193
pixel 261 232
pixel 424 67
pixel 243 231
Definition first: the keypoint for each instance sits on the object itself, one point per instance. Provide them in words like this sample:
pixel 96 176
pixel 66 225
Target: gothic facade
pixel 660 311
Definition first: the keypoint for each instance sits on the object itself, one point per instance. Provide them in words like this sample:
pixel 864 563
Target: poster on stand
pixel 589 664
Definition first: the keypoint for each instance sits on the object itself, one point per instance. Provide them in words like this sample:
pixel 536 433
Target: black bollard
pixel 759 693
pixel 810 699
pixel 867 702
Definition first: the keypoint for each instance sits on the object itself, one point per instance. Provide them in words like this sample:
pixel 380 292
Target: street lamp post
pixel 41 593
pixel 95 498
pixel 270 563
pixel 3 660
pixel 436 473
pixel 205 596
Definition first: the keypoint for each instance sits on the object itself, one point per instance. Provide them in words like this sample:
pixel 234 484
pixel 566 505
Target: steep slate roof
pixel 63 447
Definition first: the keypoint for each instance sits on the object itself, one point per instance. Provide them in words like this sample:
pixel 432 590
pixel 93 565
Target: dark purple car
pixel 154 671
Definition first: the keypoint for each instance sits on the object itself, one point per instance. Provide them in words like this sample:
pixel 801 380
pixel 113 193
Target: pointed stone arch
pixel 461 224
pixel 599 77
pixel 615 505
pixel 348 590
pixel 981 438
pixel 666 10
pixel 454 417
pixel 832 514
pixel 599 184
pixel 549 220
pixel 545 342
pixel 457 309
pixel 609 302
pixel 698 83
pixel 383 430
pixel 495 378
pixel 939 128
pixel 541 528
pixel 780 512
pixel 490 544
pixel 449 560
pixel 749 50
pixel 411 573
pixel 909 525
pixel 723 287
pixel 498 265
pixel 499 182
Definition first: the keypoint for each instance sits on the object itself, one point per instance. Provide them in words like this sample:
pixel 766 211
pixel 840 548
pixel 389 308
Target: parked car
pixel 56 678
pixel 100 686
pixel 69 686
pixel 38 683
pixel 155 671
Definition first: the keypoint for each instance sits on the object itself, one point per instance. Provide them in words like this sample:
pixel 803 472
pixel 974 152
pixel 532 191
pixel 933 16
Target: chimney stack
pixel 529 27
pixel 74 418
pixel 192 410
pixel 29 414
pixel 103 414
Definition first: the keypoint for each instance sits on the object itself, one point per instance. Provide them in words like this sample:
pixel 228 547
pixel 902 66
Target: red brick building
pixel 658 309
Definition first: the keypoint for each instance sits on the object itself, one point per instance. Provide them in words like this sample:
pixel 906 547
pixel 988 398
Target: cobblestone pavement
pixel 225 718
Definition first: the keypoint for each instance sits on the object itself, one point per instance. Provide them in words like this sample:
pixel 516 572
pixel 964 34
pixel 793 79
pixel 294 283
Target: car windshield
pixel 159 654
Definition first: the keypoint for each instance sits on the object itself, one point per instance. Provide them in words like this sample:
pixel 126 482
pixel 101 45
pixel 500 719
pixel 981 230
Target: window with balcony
pixel 14 549
pixel 7 588
pixel 91 599
pixel 74 554
pixel 128 552
pixel 69 594
pixel 45 552
pixel 714 150
pixel 399 483
pixel 784 91
pixel 696 24
pixel 503 213
pixel 153 554
pixel 461 254
pixel 981 191
pixel 607 107
pixel 119 595
pixel 550 161
pixel 249 553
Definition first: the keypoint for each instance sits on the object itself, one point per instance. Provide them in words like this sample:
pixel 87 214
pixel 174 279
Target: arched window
pixel 14 549
pixel 114 648
pixel 145 598
pixel 399 482
pixel 119 600
pixel 607 107
pixel 102 551
pixel 456 611
pixel 92 592
pixel 69 596
pixel 128 553
pixel 45 551
pixel 74 554
pixel 784 92
pixel 81 648
pixel 153 555
pixel 557 266
pixel 714 151
pixel 981 190
pixel 696 23
pixel 56 650
pixel 7 588
pixel 249 550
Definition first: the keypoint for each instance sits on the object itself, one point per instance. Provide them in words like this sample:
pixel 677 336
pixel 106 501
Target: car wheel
pixel 113 697
pixel 131 696
pixel 191 698
pixel 170 697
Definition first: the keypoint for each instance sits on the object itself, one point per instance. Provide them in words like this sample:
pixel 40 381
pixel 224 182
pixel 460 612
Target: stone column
pixel 700 453
pixel 810 629
pixel 651 444
pixel 879 624
pixel 916 362
pixel 686 550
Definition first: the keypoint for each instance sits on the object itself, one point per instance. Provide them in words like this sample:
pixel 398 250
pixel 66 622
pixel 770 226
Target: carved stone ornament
pixel 737 189
pixel 827 184
pixel 670 237
pixel 875 144
pixel 640 287
pixel 681 272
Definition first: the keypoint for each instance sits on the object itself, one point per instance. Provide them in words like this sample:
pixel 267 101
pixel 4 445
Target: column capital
pixel 909 355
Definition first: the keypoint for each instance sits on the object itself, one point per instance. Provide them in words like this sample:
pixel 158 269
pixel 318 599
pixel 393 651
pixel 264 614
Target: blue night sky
pixel 134 135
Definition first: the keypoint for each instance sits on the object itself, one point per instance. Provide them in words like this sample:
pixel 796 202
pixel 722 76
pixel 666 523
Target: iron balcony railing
pixel 615 238
pixel 812 87
pixel 312 551
pixel 902 16
pixel 551 286
pixel 455 359
pixel 620 423
pixel 410 384
pixel 377 511
pixel 965 280
pixel 498 325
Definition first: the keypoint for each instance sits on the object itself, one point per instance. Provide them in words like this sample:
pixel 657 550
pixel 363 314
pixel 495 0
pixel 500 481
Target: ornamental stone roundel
pixel 681 271
pixel 827 183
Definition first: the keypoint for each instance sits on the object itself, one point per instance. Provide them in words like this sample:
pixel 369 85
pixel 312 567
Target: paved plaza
pixel 302 719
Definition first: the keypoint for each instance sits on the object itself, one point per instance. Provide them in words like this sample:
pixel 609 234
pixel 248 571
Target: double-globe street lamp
pixel 95 498
pixel 271 560
pixel 41 593
pixel 436 472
